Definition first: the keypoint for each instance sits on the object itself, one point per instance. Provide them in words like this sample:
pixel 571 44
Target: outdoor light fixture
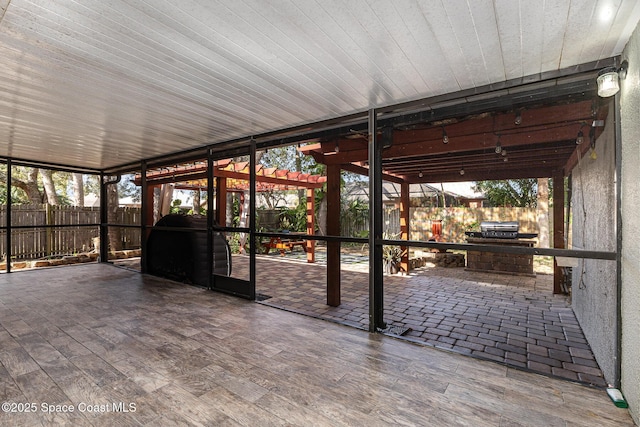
pixel 580 137
pixel 498 147
pixel 337 148
pixel 504 152
pixel 518 119
pixel 445 137
pixel 420 175
pixel 608 79
pixel 462 170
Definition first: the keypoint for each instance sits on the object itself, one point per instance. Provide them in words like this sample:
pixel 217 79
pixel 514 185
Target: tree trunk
pixel 196 202
pixel 244 219
pixel 542 209
pixel 78 189
pixel 30 186
pixel 166 197
pixel 49 187
pixel 115 233
pixel 322 217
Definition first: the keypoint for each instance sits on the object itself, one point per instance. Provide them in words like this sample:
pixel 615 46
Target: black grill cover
pixel 182 255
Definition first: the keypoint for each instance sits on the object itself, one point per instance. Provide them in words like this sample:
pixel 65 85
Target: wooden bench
pixel 283 244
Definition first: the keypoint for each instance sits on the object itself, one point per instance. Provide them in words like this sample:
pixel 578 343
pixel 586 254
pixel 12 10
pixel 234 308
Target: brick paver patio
pixel 509 319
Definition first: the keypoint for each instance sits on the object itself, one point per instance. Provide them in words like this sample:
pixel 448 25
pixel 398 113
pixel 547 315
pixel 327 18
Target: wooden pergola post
pixel 310 245
pixel 221 201
pixel 558 227
pixel 404 225
pixel 333 229
pixel 148 205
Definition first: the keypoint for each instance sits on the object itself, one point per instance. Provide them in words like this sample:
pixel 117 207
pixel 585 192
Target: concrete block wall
pixel 593 207
pixel 630 176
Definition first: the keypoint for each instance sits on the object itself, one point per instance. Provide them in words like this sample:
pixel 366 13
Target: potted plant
pixel 391 256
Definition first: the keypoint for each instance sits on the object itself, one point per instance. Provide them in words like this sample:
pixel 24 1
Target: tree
pixel 115 233
pixel 49 187
pixel 513 192
pixel 39 185
pixel 542 209
pixel 77 183
pixel 26 180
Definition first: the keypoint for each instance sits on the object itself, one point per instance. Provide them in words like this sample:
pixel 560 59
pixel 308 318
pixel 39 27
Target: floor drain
pixel 396 330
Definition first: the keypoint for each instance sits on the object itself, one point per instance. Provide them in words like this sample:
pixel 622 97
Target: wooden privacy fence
pixel 455 221
pixel 74 236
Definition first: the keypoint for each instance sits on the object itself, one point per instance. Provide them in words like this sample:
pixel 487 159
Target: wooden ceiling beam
pixel 534 156
pixel 460 144
pixel 484 175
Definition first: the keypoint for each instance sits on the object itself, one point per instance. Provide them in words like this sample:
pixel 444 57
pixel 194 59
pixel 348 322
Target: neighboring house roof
pixel 461 189
pixel 391 191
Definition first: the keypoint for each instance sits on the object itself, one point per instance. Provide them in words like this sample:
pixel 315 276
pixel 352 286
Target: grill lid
pixel 502 226
pixel 500 230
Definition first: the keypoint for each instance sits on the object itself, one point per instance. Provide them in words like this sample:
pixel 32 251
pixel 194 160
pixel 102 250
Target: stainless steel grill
pixel 500 230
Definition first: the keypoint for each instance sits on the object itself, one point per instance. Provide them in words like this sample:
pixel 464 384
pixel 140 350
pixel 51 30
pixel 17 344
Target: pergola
pixel 544 140
pixel 234 176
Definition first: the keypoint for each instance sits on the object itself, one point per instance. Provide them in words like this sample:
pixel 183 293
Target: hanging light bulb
pixel 506 159
pixel 504 152
pixel 580 137
pixel 593 154
pixel 420 174
pixel 462 170
pixel 498 146
pixel 337 147
pixel 518 119
pixel 445 137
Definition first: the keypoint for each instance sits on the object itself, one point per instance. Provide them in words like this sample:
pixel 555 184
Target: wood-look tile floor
pixel 96 334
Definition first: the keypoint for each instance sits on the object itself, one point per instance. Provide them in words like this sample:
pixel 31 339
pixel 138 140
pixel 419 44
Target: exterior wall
pixel 630 176
pixel 593 205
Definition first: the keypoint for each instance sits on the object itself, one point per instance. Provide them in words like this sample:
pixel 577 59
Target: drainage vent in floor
pixel 395 330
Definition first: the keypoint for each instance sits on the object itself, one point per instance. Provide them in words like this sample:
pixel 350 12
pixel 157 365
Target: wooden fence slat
pixel 32 243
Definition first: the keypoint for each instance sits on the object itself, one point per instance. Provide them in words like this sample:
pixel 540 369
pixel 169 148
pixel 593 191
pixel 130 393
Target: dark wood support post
pixel 310 245
pixel 221 201
pixel 558 227
pixel 333 229
pixel 148 206
pixel 404 225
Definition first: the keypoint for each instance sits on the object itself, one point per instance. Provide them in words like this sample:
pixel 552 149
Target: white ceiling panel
pixel 100 83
